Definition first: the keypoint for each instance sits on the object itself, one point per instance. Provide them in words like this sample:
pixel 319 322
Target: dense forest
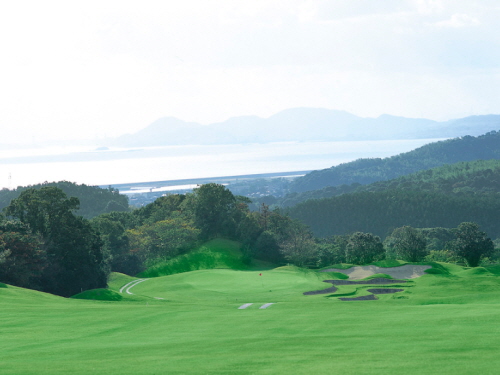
pixel 440 197
pixel 381 212
pixel 365 171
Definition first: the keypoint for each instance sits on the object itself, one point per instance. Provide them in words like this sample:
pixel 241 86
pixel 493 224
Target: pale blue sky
pixel 91 69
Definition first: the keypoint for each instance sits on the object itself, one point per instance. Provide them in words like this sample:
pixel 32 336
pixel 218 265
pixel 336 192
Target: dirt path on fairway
pixel 408 271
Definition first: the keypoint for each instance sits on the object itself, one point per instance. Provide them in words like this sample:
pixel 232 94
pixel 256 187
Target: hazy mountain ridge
pixel 303 124
pixel 366 171
pixel 477 177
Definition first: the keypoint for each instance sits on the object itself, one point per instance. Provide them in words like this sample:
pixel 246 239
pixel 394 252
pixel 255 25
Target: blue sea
pixel 116 166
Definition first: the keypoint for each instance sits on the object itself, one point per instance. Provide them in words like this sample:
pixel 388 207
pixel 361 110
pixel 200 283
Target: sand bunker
pixel 370 297
pixel 408 271
pixel 245 306
pixel 322 291
pixel 265 306
pixel 378 280
pixel 384 291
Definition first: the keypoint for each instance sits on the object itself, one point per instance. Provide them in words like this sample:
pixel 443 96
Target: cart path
pixel 130 285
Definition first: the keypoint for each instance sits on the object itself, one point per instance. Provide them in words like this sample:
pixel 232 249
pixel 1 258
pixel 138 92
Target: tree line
pixel 382 211
pixel 93 199
pixel 44 245
pixel 466 244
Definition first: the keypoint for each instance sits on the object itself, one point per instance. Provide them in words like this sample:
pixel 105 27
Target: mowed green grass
pixel 444 323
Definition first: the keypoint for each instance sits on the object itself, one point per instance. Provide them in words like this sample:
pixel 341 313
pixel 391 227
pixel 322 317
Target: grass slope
pixel 218 253
pixel 448 324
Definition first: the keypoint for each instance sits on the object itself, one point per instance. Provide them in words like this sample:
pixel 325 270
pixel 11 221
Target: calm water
pixel 24 167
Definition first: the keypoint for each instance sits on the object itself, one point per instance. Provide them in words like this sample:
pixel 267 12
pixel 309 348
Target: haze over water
pixel 117 166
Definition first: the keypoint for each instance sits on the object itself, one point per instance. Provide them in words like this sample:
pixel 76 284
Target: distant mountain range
pixel 303 124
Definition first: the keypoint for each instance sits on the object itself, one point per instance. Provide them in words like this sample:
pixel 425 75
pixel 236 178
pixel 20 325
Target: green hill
pixel 365 171
pixel 218 253
pixel 475 177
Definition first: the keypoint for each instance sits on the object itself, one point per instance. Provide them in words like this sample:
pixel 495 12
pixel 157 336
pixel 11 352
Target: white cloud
pixel 459 20
pixel 99 68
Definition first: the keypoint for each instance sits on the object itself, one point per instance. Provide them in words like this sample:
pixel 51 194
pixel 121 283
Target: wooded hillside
pixel 365 171
pixel 477 177
pixel 93 200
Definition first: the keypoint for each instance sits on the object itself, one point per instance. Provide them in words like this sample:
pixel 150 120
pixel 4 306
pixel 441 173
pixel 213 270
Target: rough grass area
pixel 218 253
pixel 444 323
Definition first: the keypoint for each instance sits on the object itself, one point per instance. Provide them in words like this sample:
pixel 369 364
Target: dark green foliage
pixel 472 244
pixel 213 206
pixel 22 258
pixel 298 246
pixel 408 244
pixel 115 244
pixel 267 248
pixel 93 200
pixel 363 248
pixel 331 250
pixel 162 240
pixel 437 238
pixel 365 171
pixel 161 209
pixel 75 260
pixel 381 212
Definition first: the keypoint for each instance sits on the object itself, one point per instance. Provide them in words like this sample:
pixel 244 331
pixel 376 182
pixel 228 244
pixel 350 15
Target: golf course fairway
pixel 445 322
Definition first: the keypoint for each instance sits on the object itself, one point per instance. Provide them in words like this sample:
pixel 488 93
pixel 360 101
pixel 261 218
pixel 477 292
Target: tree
pixel 408 244
pixel 331 250
pixel 298 246
pixel 363 248
pixel 22 259
pixel 471 243
pixel 162 240
pixel 267 247
pixel 213 206
pixel 75 260
pixel 116 244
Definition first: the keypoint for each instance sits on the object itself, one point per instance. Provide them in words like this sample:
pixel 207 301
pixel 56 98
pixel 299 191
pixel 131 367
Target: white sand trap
pixel 408 271
pixel 245 306
pixel 266 305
